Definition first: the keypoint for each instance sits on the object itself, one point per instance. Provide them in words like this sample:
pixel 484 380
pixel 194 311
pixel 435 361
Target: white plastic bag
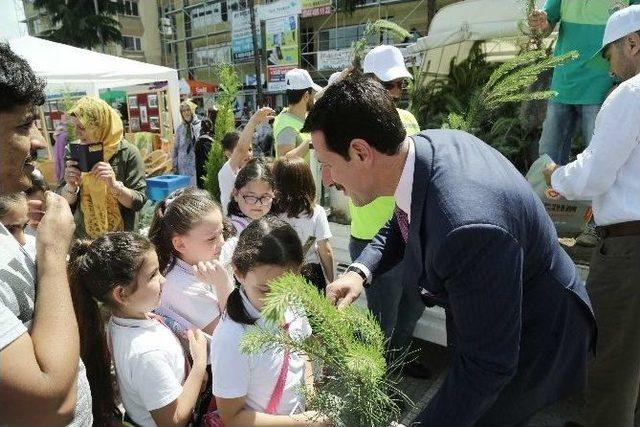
pixel 568 216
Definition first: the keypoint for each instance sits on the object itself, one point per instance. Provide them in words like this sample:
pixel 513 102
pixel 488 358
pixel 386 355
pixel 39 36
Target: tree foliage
pixel 229 84
pixel 76 23
pixel 380 26
pixel 353 390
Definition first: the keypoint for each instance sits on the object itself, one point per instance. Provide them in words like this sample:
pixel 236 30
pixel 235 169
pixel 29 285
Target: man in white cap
pixel 396 308
pixel 608 174
pixel 386 64
pixel 286 127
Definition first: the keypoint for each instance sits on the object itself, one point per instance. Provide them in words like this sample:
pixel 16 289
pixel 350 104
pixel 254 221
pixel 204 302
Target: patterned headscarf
pixel 100 207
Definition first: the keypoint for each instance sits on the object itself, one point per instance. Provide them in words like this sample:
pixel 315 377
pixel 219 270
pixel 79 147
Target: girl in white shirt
pixel 187 232
pixel 157 386
pixel 246 386
pixel 295 204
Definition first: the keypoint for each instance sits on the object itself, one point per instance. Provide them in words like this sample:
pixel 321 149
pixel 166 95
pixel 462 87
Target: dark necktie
pixel 403 223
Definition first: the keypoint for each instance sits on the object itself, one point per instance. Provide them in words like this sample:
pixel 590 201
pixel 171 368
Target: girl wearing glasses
pixel 252 194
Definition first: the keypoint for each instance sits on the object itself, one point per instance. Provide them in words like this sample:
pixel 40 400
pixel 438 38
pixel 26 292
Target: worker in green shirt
pixel 583 84
pixel 286 127
pixel 398 309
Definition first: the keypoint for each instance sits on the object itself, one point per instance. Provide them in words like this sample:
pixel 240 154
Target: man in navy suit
pixel 474 239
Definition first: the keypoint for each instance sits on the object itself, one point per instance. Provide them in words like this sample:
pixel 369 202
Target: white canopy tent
pixel 70 68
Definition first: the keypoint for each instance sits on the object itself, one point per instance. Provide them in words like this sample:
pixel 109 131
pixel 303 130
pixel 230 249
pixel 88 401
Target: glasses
pixel 400 84
pixel 253 200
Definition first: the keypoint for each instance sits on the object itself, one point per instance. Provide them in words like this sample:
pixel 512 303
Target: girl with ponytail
pixel 121 271
pixel 187 230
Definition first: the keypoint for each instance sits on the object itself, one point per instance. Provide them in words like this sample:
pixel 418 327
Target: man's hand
pixel 344 290
pixel 538 20
pixel 56 228
pixel 548 171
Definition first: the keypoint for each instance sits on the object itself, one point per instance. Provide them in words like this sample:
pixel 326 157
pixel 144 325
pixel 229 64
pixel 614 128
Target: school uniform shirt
pixel 316 225
pixel 17 303
pixel 239 223
pixel 607 172
pixel 226 253
pixel 236 374
pixel 226 180
pixel 150 366
pixel 183 294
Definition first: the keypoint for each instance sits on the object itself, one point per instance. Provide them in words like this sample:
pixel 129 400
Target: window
pixel 130 8
pixel 341 38
pixel 203 16
pixel 131 43
pixel 210 55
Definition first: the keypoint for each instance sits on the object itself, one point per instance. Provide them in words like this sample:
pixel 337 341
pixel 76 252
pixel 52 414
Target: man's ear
pixel 633 42
pixel 359 149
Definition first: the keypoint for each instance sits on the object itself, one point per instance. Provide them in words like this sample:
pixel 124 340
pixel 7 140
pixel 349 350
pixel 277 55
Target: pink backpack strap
pixel 278 390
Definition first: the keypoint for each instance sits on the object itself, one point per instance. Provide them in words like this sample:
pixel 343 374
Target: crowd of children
pixel 161 317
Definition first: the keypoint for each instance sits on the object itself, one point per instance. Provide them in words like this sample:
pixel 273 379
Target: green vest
pixel 287 120
pixel 367 220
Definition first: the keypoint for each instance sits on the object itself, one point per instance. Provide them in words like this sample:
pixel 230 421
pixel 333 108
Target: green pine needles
pixel 508 84
pixel 225 122
pixel 353 389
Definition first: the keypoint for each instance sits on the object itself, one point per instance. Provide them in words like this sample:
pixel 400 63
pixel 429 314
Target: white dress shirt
pixel 402 194
pixel 607 172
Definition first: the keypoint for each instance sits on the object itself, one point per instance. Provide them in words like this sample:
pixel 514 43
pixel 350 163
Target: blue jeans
pixel 560 126
pixel 396 307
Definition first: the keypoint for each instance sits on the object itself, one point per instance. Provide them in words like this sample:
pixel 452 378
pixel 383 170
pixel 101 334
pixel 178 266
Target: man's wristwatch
pixel 359 272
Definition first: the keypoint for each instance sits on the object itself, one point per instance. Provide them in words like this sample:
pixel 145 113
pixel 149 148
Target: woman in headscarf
pixel 184 153
pixel 110 195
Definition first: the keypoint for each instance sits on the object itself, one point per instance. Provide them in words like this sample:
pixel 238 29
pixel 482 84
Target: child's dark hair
pixel 94 269
pixel 230 140
pixel 176 215
pixel 295 188
pixel 255 170
pixel 266 241
pixel 206 127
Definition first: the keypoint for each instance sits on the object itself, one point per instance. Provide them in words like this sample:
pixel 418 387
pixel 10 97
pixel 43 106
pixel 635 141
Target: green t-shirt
pixel 291 124
pixel 367 220
pixel 585 80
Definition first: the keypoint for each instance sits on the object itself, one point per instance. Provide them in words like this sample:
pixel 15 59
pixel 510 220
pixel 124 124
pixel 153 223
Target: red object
pixel 198 87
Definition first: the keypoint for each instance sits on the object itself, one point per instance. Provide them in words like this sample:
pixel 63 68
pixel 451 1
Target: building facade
pixel 139 26
pixel 198 34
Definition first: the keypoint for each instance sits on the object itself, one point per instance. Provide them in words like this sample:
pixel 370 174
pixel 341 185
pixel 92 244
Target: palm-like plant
pixel 76 22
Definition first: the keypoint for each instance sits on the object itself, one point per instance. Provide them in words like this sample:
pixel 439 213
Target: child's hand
pixel 197 347
pixel 215 274
pixel 262 115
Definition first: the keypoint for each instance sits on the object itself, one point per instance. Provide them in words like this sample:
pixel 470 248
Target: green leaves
pixel 354 387
pixel 381 25
pixel 229 84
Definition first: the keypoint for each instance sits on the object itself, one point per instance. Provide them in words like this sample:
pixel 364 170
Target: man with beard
pixel 42 382
pixel 607 172
pixel 286 128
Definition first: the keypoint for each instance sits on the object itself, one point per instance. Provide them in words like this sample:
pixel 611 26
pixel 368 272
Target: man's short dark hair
pixel 357 107
pixel 230 140
pixel 294 96
pixel 19 85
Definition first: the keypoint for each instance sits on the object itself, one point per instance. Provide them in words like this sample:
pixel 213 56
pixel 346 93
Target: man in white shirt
pixel 608 174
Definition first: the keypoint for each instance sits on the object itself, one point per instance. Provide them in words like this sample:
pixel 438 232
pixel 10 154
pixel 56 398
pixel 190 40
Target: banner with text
pixel 241 41
pixel 283 51
pixel 312 8
pixel 337 60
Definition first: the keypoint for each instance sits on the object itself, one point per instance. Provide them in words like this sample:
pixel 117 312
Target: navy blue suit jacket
pixel 481 245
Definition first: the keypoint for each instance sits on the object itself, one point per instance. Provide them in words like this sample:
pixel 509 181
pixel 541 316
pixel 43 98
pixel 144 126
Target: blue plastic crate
pixel 160 187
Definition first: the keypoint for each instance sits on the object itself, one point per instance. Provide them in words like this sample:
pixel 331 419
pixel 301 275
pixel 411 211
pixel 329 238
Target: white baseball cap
pixel 386 62
pixel 298 79
pixel 620 24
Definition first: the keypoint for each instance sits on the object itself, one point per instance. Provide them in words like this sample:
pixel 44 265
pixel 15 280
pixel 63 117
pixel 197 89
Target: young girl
pixel 248 388
pixel 14 215
pixel 252 194
pixel 187 232
pixel 156 384
pixel 295 204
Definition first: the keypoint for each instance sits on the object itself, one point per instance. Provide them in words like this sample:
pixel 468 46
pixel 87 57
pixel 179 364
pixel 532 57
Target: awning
pixel 199 88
